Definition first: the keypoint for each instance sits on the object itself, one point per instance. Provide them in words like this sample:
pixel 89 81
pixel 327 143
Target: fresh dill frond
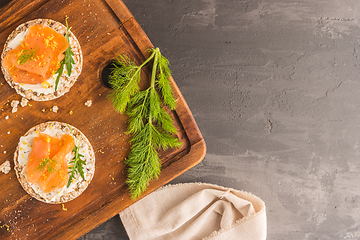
pixel 48 164
pixel 26 55
pixel 150 125
pixel 76 164
pixel 68 58
pixel 164 84
pixel 124 80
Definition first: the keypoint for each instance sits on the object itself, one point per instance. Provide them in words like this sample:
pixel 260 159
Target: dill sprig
pixel 76 164
pixel 68 59
pixel 149 124
pixel 26 55
pixel 48 164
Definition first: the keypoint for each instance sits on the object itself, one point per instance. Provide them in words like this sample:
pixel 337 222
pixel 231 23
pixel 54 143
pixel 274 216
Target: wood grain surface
pixel 104 29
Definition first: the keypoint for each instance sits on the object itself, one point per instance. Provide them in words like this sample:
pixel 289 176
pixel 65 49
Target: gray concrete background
pixel 274 87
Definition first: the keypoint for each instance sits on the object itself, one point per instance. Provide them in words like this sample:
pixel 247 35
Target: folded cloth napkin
pixel 196 211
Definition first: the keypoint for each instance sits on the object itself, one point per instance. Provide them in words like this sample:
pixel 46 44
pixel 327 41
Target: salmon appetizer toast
pixel 47 162
pixel 33 59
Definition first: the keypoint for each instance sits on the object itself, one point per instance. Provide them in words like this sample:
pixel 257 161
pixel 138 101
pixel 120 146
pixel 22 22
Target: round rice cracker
pixel 65 82
pixel 64 194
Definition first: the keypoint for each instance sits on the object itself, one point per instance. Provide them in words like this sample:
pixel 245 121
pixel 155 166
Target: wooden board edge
pixel 120 10
pixel 142 41
pixel 187 119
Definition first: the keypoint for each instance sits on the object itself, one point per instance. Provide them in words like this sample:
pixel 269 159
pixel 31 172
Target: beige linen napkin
pixel 196 211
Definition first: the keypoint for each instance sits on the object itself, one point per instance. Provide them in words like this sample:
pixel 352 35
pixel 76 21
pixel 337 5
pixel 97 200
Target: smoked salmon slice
pixel 40 150
pixel 47 47
pixel 55 149
pixel 59 178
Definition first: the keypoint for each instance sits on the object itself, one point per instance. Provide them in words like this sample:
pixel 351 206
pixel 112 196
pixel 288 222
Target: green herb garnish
pixel 26 55
pixel 68 58
pixel 76 162
pixel 149 123
pixel 48 164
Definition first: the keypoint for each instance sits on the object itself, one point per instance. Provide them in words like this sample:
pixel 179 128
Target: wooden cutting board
pixel 104 28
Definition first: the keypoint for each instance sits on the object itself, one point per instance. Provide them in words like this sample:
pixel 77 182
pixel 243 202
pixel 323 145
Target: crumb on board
pixel 71 112
pixel 14 104
pixel 24 102
pixel 5 167
pixel 6 117
pixel 55 109
pixel 88 103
